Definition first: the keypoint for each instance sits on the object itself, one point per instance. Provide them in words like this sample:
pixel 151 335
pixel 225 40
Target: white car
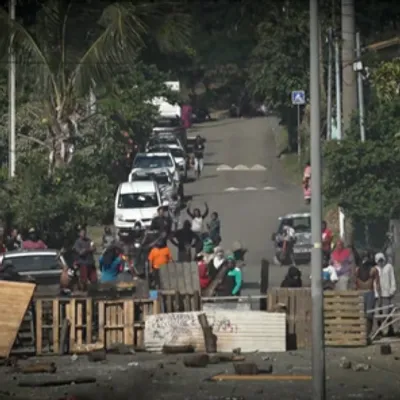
pixel 180 159
pixel 155 162
pixel 136 201
pixel 167 141
pixel 179 155
pixel 165 181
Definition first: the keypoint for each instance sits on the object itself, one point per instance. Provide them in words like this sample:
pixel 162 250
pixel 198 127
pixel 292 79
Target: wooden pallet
pixel 92 323
pixel 174 301
pixel 344 319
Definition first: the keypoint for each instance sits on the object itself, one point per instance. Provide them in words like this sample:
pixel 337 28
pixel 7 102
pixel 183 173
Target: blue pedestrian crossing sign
pixel 298 97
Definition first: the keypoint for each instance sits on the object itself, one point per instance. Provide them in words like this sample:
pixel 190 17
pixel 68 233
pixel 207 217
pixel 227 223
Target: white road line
pixel 231 189
pixel 241 167
pixel 224 167
pixel 258 167
pixel 250 188
pixel 269 188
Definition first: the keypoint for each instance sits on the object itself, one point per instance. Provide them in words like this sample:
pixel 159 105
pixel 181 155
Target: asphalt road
pixel 251 195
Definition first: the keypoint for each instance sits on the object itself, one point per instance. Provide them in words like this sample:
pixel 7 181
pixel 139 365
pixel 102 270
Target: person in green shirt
pixel 235 273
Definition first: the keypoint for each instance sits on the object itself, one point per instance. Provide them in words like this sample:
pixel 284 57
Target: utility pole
pixel 338 84
pixel 318 352
pixel 338 90
pixel 358 67
pixel 329 88
pixel 11 97
pixel 349 87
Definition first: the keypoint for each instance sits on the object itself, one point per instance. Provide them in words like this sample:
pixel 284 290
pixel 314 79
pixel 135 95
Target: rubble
pixel 361 367
pixel 38 368
pixel 386 349
pixel 97 355
pixel 196 360
pixel 345 363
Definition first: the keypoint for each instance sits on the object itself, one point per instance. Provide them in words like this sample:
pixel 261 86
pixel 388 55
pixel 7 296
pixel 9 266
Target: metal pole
pixel 329 90
pixel 298 134
pixel 318 353
pixel 338 90
pixel 360 90
pixel 11 98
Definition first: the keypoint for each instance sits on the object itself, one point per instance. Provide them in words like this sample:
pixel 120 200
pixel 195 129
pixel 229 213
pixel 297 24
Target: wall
pixel 251 331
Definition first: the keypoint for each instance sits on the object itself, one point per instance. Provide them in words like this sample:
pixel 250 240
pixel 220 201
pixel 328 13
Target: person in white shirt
pixel 388 287
pixel 288 237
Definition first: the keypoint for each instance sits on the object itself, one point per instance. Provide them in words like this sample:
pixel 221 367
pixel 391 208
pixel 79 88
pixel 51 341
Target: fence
pixel 60 325
pixel 344 317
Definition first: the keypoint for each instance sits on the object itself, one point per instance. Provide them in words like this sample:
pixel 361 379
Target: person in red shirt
pixel 327 237
pixel 203 272
pixel 33 242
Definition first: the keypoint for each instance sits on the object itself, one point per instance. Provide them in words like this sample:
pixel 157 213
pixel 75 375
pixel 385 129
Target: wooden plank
pixel 261 377
pixel 344 322
pixel 120 321
pixel 128 323
pixel 89 320
pixel 101 317
pixel 56 326
pixel 72 323
pixel 39 328
pixel 15 298
pixel 79 323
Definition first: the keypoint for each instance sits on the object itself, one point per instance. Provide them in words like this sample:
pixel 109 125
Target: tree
pixel 73 49
pixel 386 80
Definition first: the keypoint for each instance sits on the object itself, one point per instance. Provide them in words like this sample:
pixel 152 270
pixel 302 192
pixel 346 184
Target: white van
pixel 136 201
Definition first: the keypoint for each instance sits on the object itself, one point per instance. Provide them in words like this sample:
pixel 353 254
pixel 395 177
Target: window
pixel 162 141
pixel 137 200
pixel 35 262
pixel 300 224
pixel 162 179
pixel 168 123
pixel 152 162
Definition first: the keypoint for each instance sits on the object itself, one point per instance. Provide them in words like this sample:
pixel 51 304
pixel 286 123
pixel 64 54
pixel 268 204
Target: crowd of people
pixel 196 240
pixel 15 241
pixel 345 269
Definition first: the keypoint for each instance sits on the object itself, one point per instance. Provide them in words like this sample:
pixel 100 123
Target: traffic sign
pixel 298 97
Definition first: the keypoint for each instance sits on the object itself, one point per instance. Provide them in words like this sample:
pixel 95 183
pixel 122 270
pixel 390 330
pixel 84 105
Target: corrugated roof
pixel 249 330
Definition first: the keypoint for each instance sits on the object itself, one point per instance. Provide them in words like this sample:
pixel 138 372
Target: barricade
pixel 78 324
pixel 344 317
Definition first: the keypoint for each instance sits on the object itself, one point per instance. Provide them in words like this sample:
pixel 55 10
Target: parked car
pixel 43 266
pixel 166 184
pixel 179 155
pixel 136 201
pixel 301 223
pixel 166 125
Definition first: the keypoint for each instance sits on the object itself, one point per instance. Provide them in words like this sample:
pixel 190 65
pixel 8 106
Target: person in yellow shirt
pixel 159 255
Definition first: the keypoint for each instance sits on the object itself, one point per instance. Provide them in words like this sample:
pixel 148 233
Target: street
pixel 249 202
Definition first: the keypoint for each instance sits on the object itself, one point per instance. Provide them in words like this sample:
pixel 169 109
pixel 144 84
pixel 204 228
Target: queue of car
pixel 157 175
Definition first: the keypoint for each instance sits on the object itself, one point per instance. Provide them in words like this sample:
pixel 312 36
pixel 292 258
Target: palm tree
pixel 71 48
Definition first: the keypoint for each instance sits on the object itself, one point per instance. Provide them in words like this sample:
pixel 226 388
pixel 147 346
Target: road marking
pixel 258 167
pixel 241 167
pixel 231 189
pixel 224 167
pixel 269 188
pixel 250 188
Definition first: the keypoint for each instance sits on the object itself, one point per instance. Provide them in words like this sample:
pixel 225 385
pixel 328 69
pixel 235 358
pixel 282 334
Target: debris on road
pixel 41 368
pixel 361 367
pixel 345 363
pixel 196 360
pixel 54 382
pixel 97 355
pixel 167 349
pixel 386 349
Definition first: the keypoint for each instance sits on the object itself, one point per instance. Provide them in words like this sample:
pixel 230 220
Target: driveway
pixel 244 182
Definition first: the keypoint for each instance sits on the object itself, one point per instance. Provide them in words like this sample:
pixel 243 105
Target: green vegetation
pixel 87 70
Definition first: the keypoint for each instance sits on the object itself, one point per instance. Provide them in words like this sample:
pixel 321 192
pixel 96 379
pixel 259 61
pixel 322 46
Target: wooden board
pixel 183 277
pixel 14 301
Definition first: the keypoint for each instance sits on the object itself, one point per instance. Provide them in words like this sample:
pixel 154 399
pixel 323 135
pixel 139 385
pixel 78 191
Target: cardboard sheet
pixel 14 301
